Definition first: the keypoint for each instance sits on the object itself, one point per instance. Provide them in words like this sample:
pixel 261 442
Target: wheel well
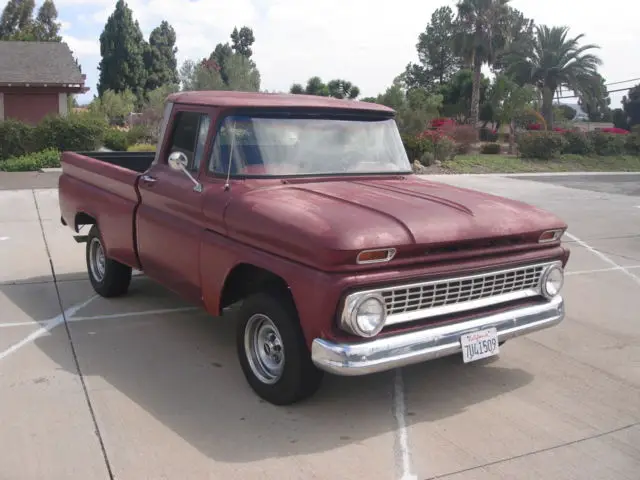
pixel 246 279
pixel 83 219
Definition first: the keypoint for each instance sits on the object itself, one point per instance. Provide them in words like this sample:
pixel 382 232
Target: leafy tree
pixel 510 100
pixel 114 106
pixel 631 106
pixel 555 61
pixel 46 27
pixel 204 75
pixel 564 112
pixel 17 22
pixel 16 19
pixel 122 47
pixel 336 88
pixel 242 40
pixel 435 52
pixel 515 33
pixel 160 57
pixel 458 94
pixel 477 40
pixel 242 74
pixel 620 119
pixel 414 107
pixel 595 100
pixel 342 89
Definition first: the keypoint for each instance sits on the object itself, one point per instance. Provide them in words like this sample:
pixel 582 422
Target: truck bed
pixel 101 187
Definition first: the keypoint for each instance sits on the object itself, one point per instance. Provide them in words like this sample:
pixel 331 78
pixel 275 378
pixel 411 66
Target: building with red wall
pixel 36 79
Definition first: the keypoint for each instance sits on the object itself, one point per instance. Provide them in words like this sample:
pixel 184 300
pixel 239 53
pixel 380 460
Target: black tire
pixel 114 278
pixel 299 378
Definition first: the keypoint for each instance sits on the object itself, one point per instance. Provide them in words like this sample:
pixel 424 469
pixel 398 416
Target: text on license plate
pixel 480 344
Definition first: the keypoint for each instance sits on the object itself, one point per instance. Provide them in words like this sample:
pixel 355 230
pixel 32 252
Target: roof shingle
pixel 38 63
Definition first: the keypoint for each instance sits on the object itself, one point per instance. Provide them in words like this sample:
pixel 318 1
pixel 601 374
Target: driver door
pixel 170 222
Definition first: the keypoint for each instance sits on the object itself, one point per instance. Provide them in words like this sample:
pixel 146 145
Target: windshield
pixel 272 146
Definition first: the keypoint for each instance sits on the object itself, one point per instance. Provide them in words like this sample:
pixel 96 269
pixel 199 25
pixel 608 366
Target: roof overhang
pixel 65 87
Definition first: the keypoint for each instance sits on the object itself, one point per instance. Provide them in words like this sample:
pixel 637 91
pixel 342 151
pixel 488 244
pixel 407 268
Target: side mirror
pixel 178 161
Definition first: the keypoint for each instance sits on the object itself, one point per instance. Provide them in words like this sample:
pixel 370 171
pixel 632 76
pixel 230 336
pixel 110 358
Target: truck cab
pixel 304 213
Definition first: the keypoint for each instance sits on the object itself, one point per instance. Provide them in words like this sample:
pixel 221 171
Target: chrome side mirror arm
pixel 179 161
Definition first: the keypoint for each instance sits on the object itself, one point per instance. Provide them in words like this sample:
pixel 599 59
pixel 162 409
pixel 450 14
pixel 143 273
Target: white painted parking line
pixel 46 328
pixel 605 258
pixel 105 317
pixel 402 450
pixel 598 270
pixel 132 314
pixel 2 239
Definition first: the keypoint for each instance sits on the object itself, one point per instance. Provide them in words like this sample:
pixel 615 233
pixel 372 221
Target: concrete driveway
pixel 147 387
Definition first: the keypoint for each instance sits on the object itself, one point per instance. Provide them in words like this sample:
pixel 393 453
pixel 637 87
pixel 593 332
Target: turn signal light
pixel 551 236
pixel 376 256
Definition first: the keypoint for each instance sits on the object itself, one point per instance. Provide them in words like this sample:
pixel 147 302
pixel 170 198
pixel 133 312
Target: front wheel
pixel 108 277
pixel 272 352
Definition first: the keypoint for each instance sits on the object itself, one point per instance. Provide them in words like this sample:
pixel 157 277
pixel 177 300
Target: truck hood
pixel 326 223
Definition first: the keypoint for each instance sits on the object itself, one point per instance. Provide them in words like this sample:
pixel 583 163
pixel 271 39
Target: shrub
pixel 16 138
pixel 437 142
pixel 415 147
pixel 139 133
pixel 142 147
pixel 606 144
pixel 79 132
pixel 490 148
pixel 577 143
pixel 464 136
pixel 543 145
pixel 632 143
pixel 488 135
pixel 115 139
pixel 30 162
pixel 615 130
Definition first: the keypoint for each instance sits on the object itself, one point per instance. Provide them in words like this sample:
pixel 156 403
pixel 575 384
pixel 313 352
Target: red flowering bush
pixel 442 122
pixel 534 126
pixel 615 130
pixel 440 144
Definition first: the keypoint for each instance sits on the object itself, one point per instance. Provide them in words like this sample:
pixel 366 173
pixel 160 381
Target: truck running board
pixel 81 238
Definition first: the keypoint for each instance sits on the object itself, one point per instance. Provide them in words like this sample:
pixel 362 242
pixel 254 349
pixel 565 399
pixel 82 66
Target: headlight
pixel 552 281
pixel 364 316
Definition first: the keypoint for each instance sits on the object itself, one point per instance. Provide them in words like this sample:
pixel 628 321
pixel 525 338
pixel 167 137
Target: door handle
pixel 148 179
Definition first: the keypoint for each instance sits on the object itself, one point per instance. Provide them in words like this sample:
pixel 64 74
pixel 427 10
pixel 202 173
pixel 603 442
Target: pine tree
pixel 16 22
pixel 46 26
pixel 122 47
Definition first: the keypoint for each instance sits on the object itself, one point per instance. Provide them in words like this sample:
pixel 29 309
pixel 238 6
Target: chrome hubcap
pixel 97 261
pixel 264 349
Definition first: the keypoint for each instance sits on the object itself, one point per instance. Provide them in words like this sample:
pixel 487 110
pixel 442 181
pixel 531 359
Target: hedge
pixel 74 132
pixel 49 158
pixel 546 145
pixel 490 148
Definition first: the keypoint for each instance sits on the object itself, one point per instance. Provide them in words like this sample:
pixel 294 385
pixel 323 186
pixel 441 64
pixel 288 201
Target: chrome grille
pixel 409 302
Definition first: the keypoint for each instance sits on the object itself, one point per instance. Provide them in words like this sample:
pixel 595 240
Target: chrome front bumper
pixel 418 346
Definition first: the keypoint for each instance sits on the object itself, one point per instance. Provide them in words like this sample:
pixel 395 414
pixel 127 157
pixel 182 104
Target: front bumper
pixel 418 346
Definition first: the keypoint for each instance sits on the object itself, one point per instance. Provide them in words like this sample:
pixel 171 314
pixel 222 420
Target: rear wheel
pixel 272 351
pixel 108 277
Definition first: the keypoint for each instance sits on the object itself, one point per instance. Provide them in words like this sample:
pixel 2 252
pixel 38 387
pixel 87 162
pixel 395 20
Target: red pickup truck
pixel 305 213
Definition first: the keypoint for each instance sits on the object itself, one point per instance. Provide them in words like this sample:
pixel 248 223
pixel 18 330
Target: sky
pixel 365 42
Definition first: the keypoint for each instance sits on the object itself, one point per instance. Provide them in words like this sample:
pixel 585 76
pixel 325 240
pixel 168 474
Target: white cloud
pixel 366 42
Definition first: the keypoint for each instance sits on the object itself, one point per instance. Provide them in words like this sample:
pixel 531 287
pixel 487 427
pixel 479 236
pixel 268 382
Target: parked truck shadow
pixel 181 369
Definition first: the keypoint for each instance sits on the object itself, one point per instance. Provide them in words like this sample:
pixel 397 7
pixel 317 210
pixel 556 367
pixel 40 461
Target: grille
pixel 462 293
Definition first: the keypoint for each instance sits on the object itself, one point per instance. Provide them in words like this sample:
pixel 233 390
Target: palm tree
pixel 478 23
pixel 555 61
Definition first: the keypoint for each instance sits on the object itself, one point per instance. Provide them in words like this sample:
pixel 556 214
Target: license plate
pixel 480 344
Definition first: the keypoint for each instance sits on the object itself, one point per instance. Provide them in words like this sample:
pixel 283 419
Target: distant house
pixel 36 79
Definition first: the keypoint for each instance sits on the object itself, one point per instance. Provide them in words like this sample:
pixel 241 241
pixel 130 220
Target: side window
pixel 189 136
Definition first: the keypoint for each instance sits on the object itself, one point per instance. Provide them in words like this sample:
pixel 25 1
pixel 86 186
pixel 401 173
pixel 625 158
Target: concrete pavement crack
pixel 535 452
pixel 72 346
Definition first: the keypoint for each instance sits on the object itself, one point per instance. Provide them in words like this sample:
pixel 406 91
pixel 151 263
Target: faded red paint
pixel 307 231
pixel 30 107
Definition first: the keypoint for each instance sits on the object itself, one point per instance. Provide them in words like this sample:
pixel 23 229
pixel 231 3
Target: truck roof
pixel 224 98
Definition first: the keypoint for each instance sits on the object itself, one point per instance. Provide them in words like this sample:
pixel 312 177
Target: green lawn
pixel 567 163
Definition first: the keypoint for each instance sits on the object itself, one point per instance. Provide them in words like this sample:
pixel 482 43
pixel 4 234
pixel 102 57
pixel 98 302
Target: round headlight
pixel 552 281
pixel 368 317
